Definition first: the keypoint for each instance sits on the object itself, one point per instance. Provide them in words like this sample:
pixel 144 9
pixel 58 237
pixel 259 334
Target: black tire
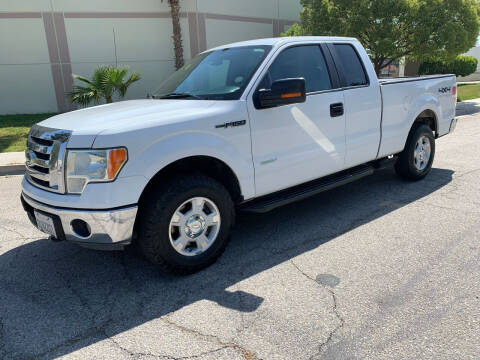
pixel 405 165
pixel 153 234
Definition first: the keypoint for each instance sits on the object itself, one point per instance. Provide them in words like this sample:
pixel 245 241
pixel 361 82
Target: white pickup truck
pixel 251 125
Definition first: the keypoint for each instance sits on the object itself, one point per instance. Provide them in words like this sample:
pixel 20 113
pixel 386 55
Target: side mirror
pixel 283 92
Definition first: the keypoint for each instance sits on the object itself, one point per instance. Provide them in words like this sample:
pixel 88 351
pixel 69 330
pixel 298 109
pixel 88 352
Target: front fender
pixel 151 159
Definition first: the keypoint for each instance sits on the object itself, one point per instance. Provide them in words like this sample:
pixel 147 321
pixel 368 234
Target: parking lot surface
pixel 377 269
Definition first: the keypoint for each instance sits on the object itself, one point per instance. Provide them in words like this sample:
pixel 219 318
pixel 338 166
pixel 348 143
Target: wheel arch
pixel 428 117
pixel 199 164
pixel 426 109
pixel 426 114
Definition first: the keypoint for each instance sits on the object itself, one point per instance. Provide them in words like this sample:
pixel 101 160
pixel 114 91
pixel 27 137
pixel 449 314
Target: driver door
pixel 292 144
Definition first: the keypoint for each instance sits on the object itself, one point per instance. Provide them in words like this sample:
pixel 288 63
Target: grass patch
pixel 468 91
pixel 14 130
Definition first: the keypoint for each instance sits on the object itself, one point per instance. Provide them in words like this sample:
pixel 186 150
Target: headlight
pixel 85 166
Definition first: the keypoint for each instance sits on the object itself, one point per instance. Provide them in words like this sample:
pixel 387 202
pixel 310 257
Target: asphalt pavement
pixel 377 269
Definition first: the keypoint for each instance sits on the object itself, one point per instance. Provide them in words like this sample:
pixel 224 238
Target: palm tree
pixel 105 83
pixel 177 32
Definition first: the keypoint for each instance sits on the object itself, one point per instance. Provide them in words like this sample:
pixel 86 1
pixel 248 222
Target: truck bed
pixel 404 99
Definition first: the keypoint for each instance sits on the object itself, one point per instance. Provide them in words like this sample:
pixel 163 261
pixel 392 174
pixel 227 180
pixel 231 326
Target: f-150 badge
pixel 231 124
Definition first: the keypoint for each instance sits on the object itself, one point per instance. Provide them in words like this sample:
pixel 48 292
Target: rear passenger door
pixel 295 143
pixel 363 107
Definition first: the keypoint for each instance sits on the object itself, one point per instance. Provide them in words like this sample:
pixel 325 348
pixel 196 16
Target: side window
pixel 352 65
pixel 300 62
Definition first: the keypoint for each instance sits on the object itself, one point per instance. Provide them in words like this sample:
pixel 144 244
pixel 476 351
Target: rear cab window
pixel 349 61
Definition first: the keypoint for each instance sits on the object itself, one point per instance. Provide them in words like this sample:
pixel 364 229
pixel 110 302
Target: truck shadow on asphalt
pixel 56 298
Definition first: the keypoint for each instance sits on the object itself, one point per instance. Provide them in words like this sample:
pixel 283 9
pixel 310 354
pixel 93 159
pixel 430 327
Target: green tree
pixel 391 29
pixel 105 83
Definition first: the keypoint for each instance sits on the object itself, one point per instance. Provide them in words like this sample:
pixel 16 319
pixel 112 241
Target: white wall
pixel 226 31
pixel 25 77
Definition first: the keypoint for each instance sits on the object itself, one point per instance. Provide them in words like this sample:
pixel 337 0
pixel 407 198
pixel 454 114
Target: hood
pixel 86 124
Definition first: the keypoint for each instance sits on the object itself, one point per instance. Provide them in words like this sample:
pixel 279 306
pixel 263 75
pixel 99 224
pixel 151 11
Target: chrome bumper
pixel 109 229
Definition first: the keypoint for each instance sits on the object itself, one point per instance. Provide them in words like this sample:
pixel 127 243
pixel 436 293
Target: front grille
pixel 45 156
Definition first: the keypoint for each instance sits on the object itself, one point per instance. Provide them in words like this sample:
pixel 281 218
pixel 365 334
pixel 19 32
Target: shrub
pixel 465 65
pixel 462 66
pixel 106 81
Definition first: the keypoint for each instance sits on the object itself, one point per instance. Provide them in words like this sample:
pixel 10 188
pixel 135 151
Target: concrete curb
pixel 468 107
pixel 12 163
pixel 18 169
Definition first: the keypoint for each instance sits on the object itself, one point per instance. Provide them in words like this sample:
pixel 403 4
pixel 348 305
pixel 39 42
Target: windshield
pixel 219 74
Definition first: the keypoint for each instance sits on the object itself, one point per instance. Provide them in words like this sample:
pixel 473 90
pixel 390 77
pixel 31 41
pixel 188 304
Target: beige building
pixel 42 42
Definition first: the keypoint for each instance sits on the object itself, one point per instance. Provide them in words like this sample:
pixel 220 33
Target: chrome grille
pixel 45 156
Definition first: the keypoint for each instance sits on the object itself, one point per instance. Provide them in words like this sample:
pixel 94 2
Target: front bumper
pixel 109 229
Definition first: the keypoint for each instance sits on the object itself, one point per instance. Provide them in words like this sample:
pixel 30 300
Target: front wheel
pixel 415 161
pixel 185 225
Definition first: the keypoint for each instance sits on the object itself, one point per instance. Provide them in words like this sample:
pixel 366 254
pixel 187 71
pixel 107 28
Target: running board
pixel 303 191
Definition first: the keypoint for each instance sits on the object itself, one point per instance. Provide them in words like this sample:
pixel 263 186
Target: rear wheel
pixel 185 225
pixel 415 161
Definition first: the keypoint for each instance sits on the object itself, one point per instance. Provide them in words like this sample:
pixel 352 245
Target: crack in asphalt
pixel 246 354
pixel 137 354
pixel 341 320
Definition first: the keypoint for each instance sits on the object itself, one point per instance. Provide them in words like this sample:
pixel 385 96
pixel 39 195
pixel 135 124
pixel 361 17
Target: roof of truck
pixel 283 40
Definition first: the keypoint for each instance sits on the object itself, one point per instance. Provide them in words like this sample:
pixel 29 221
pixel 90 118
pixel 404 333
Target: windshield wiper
pixel 179 96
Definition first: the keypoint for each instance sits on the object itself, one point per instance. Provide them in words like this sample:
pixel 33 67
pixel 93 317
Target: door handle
pixel 336 109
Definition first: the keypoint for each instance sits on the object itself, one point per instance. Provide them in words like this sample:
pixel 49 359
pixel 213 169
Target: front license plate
pixel 45 224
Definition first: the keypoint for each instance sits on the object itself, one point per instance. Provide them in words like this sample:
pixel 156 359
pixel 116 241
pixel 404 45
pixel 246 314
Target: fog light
pixel 81 228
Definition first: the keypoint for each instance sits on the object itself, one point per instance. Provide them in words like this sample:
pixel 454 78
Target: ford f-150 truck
pixel 251 125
